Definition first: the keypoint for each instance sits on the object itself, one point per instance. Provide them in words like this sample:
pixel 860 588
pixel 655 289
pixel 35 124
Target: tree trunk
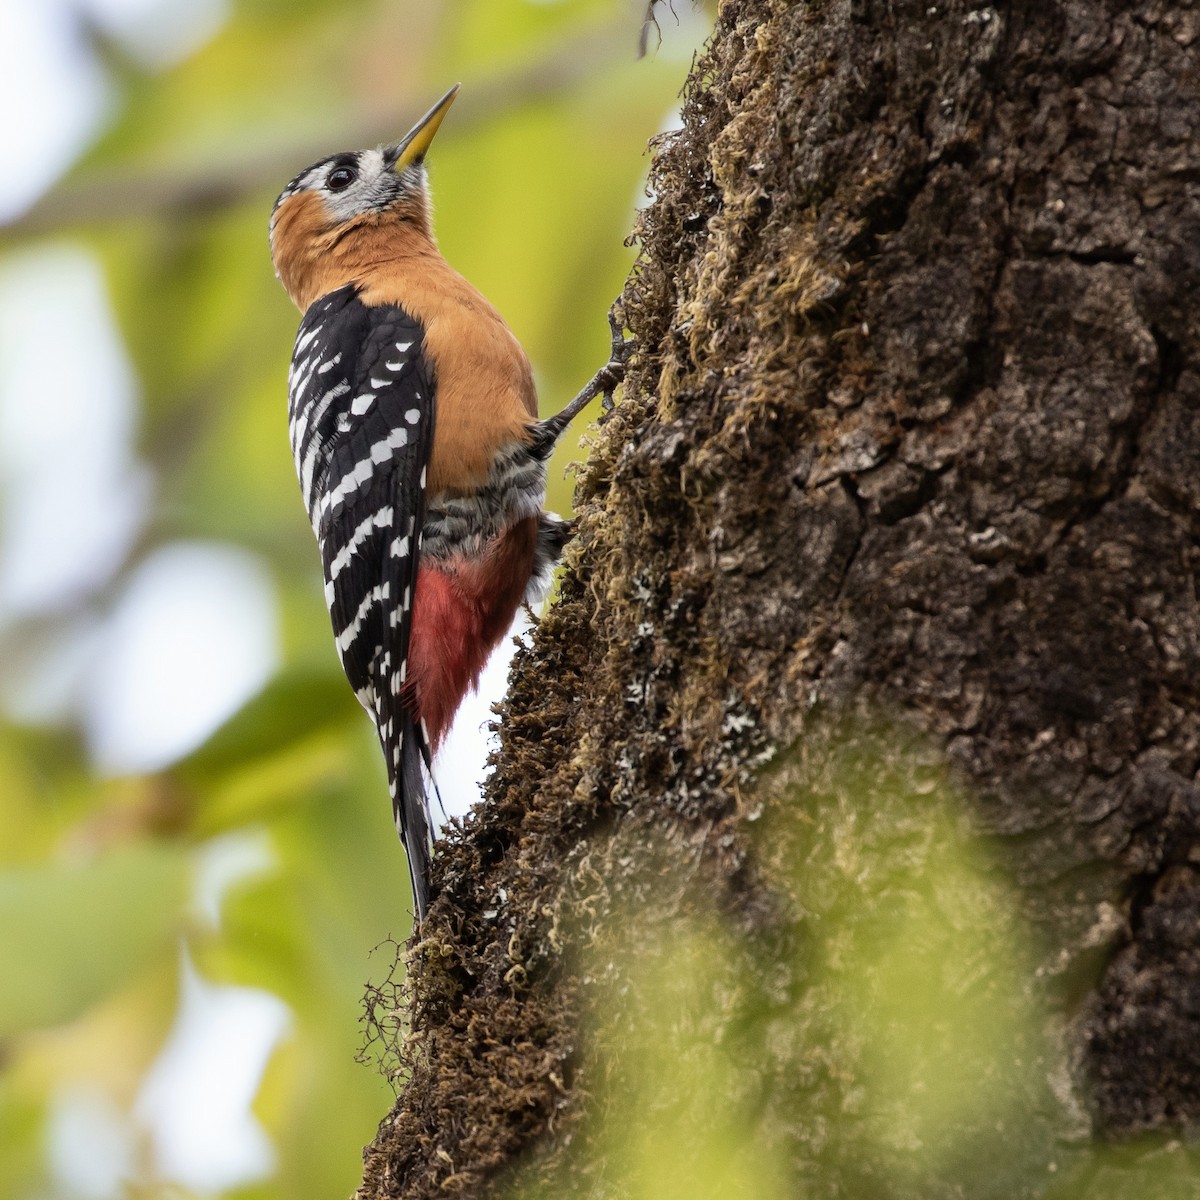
pixel 904 473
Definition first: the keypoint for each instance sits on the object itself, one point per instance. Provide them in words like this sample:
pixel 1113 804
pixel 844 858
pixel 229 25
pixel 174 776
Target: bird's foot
pixel 604 383
pixel 620 352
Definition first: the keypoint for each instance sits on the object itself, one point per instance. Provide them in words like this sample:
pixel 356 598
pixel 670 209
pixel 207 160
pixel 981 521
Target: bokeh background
pixel 196 849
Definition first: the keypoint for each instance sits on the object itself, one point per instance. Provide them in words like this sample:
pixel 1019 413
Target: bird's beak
pixel 412 146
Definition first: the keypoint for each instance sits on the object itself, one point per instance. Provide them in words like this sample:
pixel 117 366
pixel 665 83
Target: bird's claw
pixel 621 350
pixel 604 383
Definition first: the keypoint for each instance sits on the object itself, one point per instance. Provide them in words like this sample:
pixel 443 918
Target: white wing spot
pixel 382 451
pixel 363 401
pixel 413 416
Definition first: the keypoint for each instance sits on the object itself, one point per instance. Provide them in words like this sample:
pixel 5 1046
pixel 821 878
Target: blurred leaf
pixel 115 1041
pixel 933 1045
pixel 70 935
pixel 266 786
pixel 1152 1168
pixel 293 706
pixel 43 789
pixel 23 1121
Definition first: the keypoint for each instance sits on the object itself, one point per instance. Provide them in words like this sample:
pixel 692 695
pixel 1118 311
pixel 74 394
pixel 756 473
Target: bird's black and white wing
pixel 361 413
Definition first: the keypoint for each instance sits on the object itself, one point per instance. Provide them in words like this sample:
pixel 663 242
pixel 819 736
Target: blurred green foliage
pixel 535 180
pixel 888 1039
pixel 71 934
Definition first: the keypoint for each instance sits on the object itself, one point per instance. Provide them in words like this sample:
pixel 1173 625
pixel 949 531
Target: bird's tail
pixel 410 781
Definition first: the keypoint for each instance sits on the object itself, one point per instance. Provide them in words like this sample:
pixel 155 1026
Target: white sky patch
pixel 42 669
pixel 57 96
pixel 459 768
pixel 223 863
pixel 54 95
pixel 73 496
pixel 89 1146
pixel 160 32
pixel 192 638
pixel 195 1100
pixel 683 26
pixel 644 196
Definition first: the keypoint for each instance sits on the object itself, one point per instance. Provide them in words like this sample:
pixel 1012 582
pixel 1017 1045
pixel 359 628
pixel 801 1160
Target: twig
pixel 650 21
pixel 121 195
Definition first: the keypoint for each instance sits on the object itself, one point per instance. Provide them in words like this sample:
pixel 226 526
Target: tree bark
pixel 912 434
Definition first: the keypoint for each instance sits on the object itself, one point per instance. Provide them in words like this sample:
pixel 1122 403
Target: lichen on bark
pixel 911 429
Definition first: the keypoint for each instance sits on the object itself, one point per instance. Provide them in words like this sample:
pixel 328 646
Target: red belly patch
pixel 462 608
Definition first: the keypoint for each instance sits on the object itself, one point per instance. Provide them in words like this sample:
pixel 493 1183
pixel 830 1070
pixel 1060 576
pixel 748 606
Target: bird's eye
pixel 340 178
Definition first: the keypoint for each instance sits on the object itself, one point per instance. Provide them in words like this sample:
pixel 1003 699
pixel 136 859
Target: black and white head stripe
pixel 371 183
pixel 361 414
pixel 310 179
pixel 315 175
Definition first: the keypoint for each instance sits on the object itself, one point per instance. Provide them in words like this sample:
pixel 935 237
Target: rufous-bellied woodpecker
pixel 422 462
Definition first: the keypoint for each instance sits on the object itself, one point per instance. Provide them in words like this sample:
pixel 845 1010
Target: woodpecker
pixel 422 462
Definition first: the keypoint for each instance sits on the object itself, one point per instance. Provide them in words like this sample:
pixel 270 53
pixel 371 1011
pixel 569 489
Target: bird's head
pixel 350 209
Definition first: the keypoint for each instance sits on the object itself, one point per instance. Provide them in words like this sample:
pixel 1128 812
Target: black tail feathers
pixel 412 786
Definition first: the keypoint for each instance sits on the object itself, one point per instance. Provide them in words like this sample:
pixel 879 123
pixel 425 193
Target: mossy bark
pixel 913 427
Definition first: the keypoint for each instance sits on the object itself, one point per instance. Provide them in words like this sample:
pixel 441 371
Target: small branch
pixel 650 21
pixel 121 195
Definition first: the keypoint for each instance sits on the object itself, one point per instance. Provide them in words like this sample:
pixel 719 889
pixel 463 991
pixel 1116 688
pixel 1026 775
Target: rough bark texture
pixel 914 426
